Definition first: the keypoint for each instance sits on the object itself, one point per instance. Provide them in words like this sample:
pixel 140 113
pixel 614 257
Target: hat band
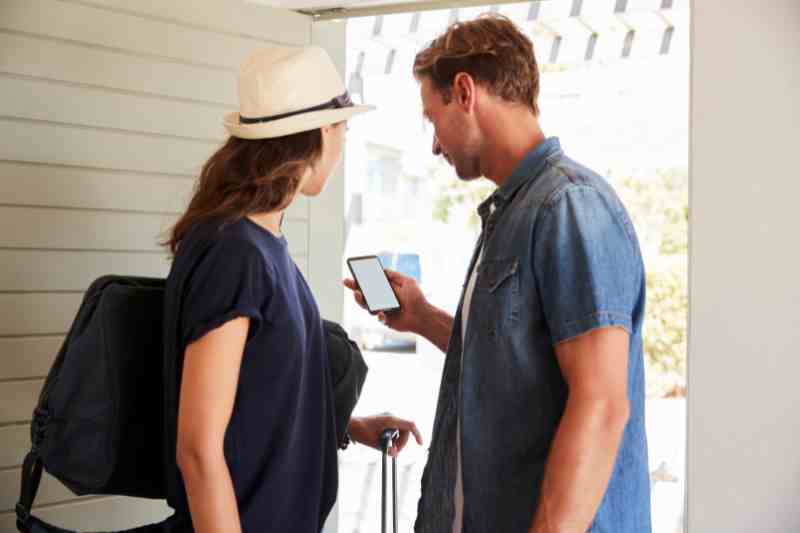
pixel 339 102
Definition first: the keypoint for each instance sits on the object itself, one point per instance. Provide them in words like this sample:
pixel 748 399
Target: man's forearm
pixel 435 325
pixel 579 465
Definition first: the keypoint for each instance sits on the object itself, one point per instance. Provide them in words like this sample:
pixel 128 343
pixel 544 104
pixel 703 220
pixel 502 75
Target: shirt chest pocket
pixel 497 288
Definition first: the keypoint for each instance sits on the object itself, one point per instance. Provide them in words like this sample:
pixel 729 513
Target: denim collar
pixel 530 167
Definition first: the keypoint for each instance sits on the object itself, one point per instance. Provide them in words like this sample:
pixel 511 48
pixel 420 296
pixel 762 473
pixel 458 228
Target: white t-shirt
pixel 458 497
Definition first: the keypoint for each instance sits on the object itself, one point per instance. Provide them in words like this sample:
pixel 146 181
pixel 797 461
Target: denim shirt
pixel 560 258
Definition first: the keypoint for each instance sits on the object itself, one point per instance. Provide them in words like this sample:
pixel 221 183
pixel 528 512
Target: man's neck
pixel 510 135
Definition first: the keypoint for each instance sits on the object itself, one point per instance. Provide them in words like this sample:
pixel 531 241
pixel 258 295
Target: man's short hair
pixel 492 50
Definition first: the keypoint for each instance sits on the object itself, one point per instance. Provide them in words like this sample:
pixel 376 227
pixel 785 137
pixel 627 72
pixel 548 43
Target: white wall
pixel 108 108
pixel 326 241
pixel 744 350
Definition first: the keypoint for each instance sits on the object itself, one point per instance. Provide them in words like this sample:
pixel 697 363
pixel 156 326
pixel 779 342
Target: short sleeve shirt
pixel 560 258
pixel 280 445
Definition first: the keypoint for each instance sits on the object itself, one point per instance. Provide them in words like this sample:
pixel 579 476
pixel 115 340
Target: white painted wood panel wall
pixel 108 108
pixel 743 468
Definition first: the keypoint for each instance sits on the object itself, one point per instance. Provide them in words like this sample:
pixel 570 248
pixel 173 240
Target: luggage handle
pixel 388 437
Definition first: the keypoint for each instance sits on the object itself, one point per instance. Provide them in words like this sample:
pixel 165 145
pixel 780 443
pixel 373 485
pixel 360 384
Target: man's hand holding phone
pixel 412 302
pixel 397 300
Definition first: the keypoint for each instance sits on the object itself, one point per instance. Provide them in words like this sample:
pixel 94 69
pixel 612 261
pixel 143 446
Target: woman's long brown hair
pixel 248 176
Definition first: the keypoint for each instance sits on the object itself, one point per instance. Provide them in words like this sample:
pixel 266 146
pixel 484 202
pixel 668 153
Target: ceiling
pixel 327 4
pixel 355 8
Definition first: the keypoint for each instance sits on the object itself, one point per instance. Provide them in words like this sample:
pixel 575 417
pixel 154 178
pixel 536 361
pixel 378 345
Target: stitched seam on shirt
pixel 556 195
pixel 592 322
pixel 619 216
pixel 598 314
pixel 548 203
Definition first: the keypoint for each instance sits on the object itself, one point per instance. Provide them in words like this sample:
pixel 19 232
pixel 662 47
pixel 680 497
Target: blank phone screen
pixel 373 284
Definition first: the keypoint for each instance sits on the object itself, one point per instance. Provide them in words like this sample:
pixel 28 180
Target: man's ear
pixel 464 90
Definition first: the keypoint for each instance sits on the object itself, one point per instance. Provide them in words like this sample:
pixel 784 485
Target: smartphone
pixel 373 284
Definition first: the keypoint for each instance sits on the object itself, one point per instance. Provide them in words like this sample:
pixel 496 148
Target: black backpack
pixel 102 420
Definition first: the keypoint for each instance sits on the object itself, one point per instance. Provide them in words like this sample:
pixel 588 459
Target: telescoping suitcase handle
pixel 387 439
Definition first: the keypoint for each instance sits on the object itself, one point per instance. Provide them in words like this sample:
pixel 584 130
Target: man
pixel 540 420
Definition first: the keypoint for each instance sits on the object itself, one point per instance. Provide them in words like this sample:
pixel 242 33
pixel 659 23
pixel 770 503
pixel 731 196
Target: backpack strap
pixel 31 470
pixel 31 476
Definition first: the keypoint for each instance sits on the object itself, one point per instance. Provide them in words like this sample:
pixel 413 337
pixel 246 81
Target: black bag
pixel 99 424
pixel 348 372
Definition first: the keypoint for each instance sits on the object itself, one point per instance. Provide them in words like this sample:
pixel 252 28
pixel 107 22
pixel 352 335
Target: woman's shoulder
pixel 222 246
pixel 237 237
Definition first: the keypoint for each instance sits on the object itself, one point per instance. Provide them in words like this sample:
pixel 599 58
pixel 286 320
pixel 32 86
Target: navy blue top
pixel 280 445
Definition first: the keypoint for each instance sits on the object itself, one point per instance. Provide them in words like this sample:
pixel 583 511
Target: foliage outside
pixel 659 207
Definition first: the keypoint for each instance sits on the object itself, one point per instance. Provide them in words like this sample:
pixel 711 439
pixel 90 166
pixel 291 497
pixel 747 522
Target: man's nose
pixel 437 148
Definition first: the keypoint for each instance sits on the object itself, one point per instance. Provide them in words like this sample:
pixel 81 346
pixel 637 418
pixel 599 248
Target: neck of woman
pixel 271 222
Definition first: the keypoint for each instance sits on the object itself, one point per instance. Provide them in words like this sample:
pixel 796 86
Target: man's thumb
pixel 393 276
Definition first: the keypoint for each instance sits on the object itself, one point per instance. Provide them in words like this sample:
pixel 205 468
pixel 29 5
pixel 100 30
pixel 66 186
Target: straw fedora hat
pixel 288 90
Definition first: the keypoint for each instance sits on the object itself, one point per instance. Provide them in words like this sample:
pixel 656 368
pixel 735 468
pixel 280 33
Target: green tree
pixel 451 194
pixel 659 208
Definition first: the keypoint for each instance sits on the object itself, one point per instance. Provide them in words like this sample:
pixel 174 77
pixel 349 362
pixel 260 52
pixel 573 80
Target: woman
pixel 256 443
